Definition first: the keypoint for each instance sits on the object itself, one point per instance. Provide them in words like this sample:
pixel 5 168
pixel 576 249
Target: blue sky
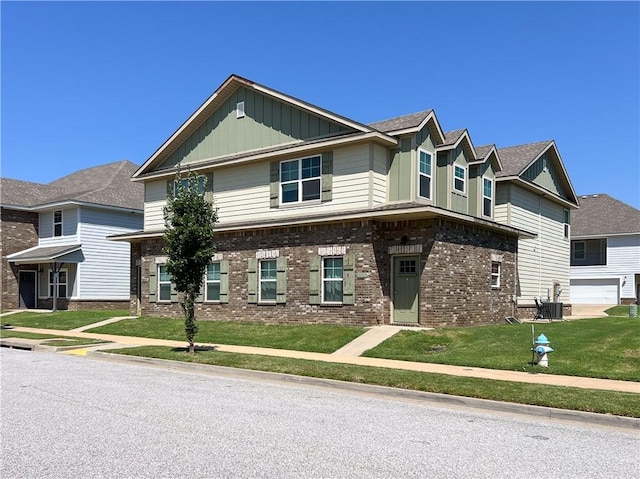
pixel 88 83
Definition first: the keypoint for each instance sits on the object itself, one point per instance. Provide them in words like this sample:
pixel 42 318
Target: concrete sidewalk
pixel 345 357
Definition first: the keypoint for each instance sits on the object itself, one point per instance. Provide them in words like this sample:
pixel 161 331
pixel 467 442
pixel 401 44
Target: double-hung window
pixel 268 281
pixel 300 180
pixel 332 279
pixel 186 183
pixel 57 223
pixel 62 283
pixel 487 196
pixel 567 218
pixel 459 178
pixel 425 173
pixel 164 283
pixel 579 250
pixel 212 282
pixel 495 274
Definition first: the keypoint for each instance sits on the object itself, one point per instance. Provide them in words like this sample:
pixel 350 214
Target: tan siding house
pixel 395 222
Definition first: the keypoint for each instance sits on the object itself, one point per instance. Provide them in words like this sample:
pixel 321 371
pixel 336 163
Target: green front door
pixel 406 283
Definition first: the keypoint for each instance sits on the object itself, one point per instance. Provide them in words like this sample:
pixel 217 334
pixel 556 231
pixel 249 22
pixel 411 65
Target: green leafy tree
pixel 190 219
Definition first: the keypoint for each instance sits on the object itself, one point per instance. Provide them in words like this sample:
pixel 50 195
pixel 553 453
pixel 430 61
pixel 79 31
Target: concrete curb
pixel 607 420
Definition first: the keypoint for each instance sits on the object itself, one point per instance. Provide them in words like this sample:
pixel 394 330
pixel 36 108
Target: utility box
pixel 555 310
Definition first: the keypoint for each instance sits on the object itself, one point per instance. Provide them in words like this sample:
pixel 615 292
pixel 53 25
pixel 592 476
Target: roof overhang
pixel 54 205
pixel 283 152
pixel 434 127
pixel 537 189
pixel 397 212
pixel 602 236
pixel 465 140
pixel 48 254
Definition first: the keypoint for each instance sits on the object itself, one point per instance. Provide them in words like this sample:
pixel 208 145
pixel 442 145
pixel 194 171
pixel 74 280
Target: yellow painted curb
pixel 77 352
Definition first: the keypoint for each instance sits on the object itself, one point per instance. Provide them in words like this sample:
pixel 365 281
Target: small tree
pixel 188 242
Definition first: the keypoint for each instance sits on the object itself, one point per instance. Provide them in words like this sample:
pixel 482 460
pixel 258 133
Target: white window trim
pixel 208 281
pixel 323 279
pixel 430 175
pixel 240 109
pixel 464 180
pixel 485 178
pixel 61 223
pixel 299 181
pixel 566 224
pixel 496 275
pixel 158 299
pixel 584 250
pixel 50 283
pixel 270 280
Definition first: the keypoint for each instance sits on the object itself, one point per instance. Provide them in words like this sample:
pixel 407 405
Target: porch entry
pixel 405 284
pixel 27 289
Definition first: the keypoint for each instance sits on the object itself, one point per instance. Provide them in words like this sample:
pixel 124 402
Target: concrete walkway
pixel 350 355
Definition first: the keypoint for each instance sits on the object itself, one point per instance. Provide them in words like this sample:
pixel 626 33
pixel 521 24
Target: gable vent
pixel 240 109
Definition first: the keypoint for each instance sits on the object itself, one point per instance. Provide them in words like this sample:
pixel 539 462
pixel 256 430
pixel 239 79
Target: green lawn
pixel 63 320
pixel 601 348
pixel 620 311
pixel 312 337
pixel 51 340
pixel 605 402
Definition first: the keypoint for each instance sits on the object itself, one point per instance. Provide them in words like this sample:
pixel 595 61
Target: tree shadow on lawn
pixel 198 349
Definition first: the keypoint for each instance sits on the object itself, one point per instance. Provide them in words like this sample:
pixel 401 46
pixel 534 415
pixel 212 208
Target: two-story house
pixel 533 192
pixel 605 252
pixel 323 219
pixel 54 239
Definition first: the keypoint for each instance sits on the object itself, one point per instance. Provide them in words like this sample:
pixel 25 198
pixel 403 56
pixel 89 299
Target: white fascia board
pixel 258 156
pixel 603 236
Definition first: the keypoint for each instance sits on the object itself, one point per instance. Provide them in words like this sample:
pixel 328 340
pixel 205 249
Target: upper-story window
pixel 567 218
pixel 425 172
pixel 300 180
pixel 487 196
pixel 590 252
pixel 184 183
pixel 57 223
pixel 459 178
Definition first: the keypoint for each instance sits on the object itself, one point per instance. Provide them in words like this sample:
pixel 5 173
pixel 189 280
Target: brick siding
pixel 455 279
pixel 19 232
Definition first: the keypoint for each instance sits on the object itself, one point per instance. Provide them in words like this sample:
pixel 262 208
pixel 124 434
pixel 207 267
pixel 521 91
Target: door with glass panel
pixel 405 284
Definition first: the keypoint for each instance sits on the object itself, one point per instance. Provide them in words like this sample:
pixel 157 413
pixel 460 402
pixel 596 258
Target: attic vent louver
pixel 240 109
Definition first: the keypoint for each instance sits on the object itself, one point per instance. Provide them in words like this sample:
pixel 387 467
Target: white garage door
pixel 594 291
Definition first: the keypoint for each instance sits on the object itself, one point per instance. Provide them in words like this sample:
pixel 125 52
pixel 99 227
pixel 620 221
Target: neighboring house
pixel 326 220
pixel 533 192
pixel 63 227
pixel 605 252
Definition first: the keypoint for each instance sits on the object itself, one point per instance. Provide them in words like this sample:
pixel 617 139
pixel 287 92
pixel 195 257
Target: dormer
pixel 482 176
pixel 412 165
pixel 453 160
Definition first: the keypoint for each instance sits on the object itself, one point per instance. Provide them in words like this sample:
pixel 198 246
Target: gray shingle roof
pixel 516 158
pixel 401 122
pixel 450 137
pixel 108 185
pixel 603 215
pixel 483 151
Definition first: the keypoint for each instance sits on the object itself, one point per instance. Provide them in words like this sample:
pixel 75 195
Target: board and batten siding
pixel 379 175
pixel 243 191
pixel 542 260
pixel 542 173
pixel 623 261
pixel 266 122
pixel 105 272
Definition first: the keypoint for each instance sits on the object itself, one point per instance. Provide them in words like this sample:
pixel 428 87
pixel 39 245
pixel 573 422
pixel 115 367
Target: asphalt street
pixel 68 416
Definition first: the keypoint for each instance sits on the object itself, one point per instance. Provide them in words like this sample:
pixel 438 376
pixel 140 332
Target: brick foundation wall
pixel 19 231
pixel 455 288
